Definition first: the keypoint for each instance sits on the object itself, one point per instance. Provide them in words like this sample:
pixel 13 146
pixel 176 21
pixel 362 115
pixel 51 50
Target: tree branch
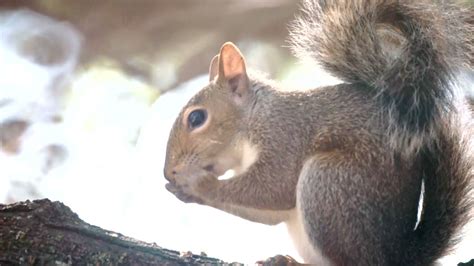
pixel 42 232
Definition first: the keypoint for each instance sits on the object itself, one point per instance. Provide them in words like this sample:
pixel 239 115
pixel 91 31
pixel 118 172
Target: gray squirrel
pixel 343 165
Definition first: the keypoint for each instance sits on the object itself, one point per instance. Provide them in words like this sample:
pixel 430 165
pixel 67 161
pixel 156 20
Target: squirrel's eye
pixel 196 118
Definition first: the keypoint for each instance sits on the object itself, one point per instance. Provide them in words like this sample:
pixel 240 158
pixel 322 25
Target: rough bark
pixel 42 232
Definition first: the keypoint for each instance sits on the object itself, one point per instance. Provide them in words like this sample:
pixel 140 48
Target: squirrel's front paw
pixel 183 193
pixel 192 189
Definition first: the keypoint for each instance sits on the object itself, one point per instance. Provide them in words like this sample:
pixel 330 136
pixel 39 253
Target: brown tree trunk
pixel 42 232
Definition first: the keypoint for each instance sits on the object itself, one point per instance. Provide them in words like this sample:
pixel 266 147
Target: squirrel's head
pixel 206 136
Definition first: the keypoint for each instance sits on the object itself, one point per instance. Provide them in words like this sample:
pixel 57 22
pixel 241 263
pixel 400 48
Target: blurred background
pixel 89 90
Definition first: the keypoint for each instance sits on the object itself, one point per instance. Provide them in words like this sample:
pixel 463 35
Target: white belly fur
pixel 300 240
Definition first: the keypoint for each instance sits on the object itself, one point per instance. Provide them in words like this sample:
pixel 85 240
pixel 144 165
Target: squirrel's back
pixel 409 52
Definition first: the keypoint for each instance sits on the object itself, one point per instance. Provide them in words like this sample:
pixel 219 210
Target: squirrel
pixel 344 165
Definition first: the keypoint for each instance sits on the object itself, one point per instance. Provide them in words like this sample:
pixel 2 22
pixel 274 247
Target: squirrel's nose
pixel 170 173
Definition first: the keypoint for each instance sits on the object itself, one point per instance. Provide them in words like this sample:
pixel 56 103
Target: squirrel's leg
pixel 349 222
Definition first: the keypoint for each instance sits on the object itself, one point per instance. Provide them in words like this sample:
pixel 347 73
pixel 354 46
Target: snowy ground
pixel 100 172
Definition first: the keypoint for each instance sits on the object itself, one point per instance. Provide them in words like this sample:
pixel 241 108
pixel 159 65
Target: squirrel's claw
pixel 279 260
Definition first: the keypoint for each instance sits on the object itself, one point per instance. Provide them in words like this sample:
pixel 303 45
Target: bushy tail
pixel 447 199
pixel 409 52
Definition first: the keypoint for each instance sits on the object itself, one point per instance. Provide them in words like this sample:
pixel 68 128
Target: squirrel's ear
pixel 232 70
pixel 214 68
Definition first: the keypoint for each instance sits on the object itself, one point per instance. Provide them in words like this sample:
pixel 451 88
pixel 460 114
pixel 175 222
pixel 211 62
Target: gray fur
pixel 408 51
pixel 364 155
